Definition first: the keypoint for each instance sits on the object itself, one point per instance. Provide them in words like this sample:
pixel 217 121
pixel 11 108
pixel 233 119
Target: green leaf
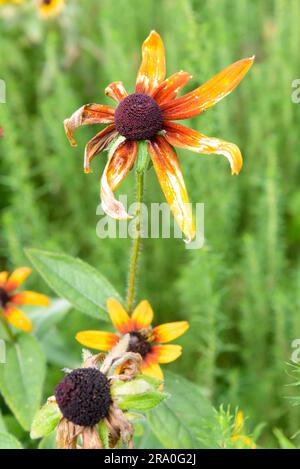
pixel 71 278
pixel 48 442
pixel 8 441
pixel 187 419
pixel 2 423
pixel 138 394
pixel 104 434
pixel 46 420
pixel 22 378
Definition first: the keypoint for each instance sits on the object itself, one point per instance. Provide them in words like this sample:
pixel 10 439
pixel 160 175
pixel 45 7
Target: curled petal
pixel 116 91
pixel 166 353
pixel 17 278
pixel 3 278
pixel 189 139
pixel 210 93
pixel 119 317
pixel 168 90
pixel 142 316
pixel 150 368
pixel 169 331
pixel 97 144
pixel 17 318
pixel 98 340
pixel 114 173
pixel 170 177
pixel 88 114
pixel 30 298
pixel 153 67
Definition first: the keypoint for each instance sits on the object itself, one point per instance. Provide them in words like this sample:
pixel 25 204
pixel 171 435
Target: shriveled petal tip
pixel 210 93
pixel 97 144
pixel 98 340
pixel 88 114
pixel 171 180
pixel 30 298
pixel 142 316
pixel 17 318
pixel 152 369
pixel 116 91
pixel 17 278
pixel 115 172
pixel 169 89
pixel 166 353
pixel 3 278
pixel 169 331
pixel 153 67
pixel 182 137
pixel 119 317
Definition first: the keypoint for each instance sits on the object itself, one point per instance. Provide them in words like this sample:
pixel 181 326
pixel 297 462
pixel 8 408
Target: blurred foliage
pixel 241 291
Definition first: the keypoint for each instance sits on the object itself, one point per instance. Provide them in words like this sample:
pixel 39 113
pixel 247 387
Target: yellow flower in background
pixel 10 299
pixel 7 2
pixel 237 435
pixel 49 8
pixel 147 341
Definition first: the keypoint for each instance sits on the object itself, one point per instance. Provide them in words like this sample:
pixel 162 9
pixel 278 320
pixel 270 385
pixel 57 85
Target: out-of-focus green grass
pixel 241 291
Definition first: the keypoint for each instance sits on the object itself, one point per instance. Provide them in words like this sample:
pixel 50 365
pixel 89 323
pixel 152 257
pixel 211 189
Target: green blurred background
pixel 241 291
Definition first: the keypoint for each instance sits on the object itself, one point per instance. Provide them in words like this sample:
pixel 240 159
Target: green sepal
pixel 45 421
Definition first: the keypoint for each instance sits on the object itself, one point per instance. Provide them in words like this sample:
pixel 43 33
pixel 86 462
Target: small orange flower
pixel 144 339
pixel 146 115
pixel 238 435
pixel 9 299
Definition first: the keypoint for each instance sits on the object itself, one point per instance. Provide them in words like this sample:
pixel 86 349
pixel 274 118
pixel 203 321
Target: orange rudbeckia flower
pixel 147 115
pixel 10 299
pixel 149 342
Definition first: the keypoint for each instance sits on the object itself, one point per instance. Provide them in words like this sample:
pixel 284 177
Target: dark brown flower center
pixel 138 117
pixel 4 298
pixel 139 344
pixel 83 396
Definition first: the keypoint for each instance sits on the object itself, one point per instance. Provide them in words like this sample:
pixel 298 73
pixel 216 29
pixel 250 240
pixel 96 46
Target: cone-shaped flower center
pixel 4 298
pixel 139 344
pixel 83 396
pixel 138 117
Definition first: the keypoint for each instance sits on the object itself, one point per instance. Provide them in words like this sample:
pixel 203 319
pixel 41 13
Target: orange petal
pixel 152 369
pixel 169 89
pixel 169 331
pixel 88 114
pixel 116 91
pixel 166 353
pixel 153 67
pixel 182 137
pixel 17 278
pixel 115 171
pixel 98 340
pixel 17 318
pixel 207 95
pixel 142 316
pixel 97 144
pixel 30 298
pixel 118 316
pixel 170 177
pixel 3 278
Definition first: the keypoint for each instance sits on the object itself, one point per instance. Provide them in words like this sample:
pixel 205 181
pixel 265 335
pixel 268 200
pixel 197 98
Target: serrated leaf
pixel 22 378
pixel 45 421
pixel 76 281
pixel 8 441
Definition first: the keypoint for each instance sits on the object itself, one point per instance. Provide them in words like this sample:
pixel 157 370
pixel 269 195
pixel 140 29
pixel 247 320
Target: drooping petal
pixel 17 318
pixel 182 137
pixel 153 67
pixel 166 353
pixel 142 316
pixel 119 317
pixel 152 369
pixel 207 95
pixel 168 90
pixel 114 173
pixel 3 278
pixel 88 114
pixel 97 144
pixel 17 278
pixel 98 340
pixel 170 177
pixel 169 331
pixel 116 91
pixel 30 298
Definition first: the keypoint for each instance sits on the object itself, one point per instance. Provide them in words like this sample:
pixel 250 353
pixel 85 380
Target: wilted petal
pixel 142 316
pixel 168 90
pixel 97 144
pixel 30 298
pixel 119 316
pixel 189 139
pixel 98 340
pixel 116 91
pixel 17 278
pixel 88 114
pixel 166 353
pixel 153 67
pixel 170 177
pixel 115 171
pixel 17 318
pixel 207 95
pixel 169 331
